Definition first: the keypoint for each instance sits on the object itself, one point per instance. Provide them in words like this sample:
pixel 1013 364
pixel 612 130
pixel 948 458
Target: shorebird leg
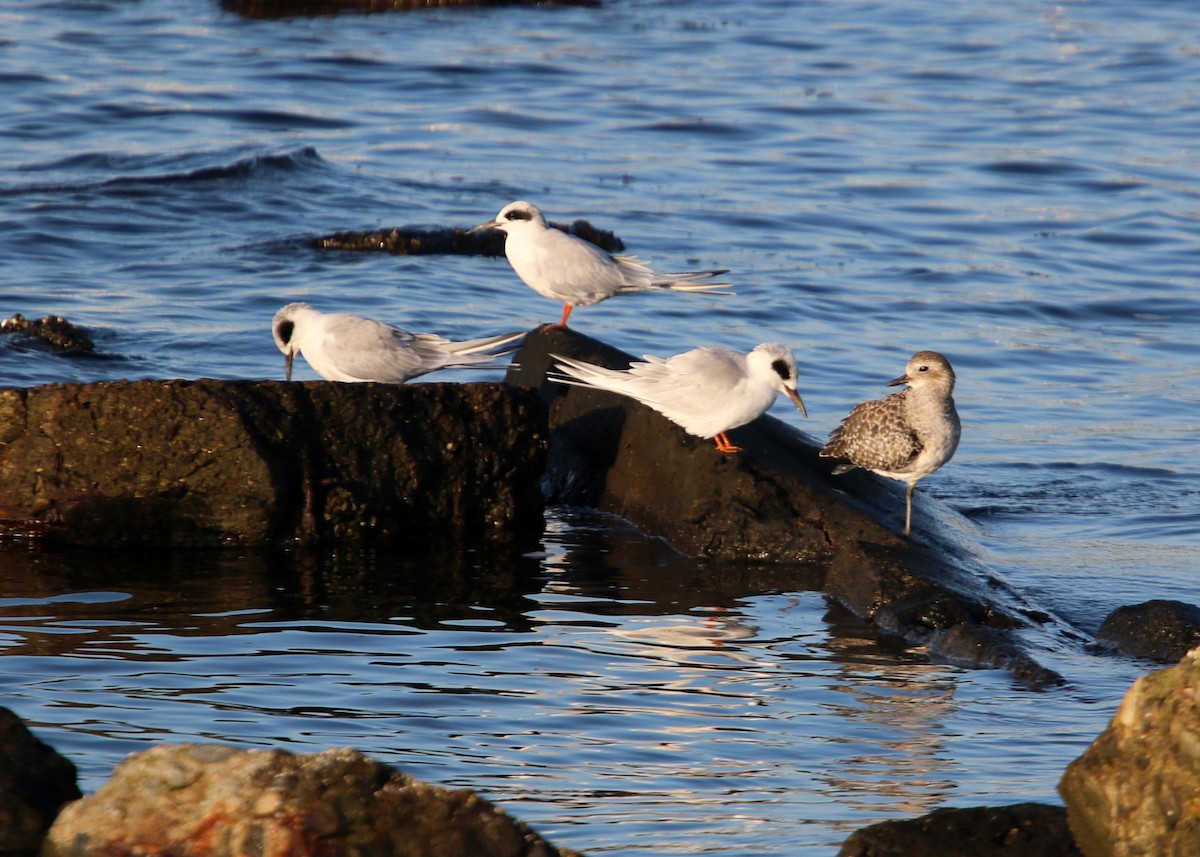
pixel 908 508
pixel 724 445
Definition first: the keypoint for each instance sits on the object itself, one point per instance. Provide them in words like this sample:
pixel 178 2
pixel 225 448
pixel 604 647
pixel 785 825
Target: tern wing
pixel 687 389
pixel 370 350
pixel 565 268
pixel 436 352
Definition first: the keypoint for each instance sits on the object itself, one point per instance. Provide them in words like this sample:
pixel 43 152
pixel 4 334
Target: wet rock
pixel 1160 630
pixel 1136 789
pixel 35 782
pixel 53 333
pixel 214 800
pixel 296 8
pixel 775 502
pixel 206 463
pixel 1021 830
pixel 421 242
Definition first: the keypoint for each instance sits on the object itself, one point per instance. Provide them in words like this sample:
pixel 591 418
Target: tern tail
pixel 472 346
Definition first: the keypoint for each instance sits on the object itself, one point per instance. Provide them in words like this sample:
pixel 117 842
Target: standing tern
pixel 707 391
pixel 906 436
pixel 566 268
pixel 344 347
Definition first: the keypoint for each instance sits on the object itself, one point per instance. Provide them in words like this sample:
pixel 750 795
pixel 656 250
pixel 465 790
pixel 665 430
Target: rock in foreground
pixel 34 782
pixel 1136 791
pixel 1021 830
pixel 206 463
pixel 216 801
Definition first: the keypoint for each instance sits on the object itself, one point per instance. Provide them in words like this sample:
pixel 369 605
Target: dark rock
pixel 424 242
pixel 206 463
pixel 1136 789
pixel 52 333
pixel 215 801
pixel 35 782
pixel 1021 830
pixel 297 8
pixel 1162 631
pixel 775 502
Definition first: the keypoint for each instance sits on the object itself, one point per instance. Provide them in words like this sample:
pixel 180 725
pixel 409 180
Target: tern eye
pixel 518 214
pixel 285 330
pixel 782 370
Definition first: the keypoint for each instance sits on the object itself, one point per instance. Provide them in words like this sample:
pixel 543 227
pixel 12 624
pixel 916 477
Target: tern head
pixel 283 328
pixel 515 215
pixel 926 369
pixel 775 364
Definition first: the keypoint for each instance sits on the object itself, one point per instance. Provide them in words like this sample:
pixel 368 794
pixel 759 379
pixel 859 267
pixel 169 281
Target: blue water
pixel 1014 185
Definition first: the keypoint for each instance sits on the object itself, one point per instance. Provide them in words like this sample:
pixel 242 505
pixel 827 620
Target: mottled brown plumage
pixel 906 436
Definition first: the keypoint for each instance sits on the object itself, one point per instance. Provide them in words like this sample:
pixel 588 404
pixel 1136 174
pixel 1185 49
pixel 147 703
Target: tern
pixel 707 391
pixel 341 346
pixel 907 435
pixel 566 268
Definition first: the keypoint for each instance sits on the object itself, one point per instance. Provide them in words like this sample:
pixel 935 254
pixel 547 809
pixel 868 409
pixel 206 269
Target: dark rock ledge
pixel 774 502
pixel 455 241
pixel 209 463
pixel 298 8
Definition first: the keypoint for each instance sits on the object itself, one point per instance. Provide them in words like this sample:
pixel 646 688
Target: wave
pixel 158 169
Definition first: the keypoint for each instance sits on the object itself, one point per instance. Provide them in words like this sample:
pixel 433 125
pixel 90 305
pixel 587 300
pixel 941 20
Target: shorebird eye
pixel 285 331
pixel 782 370
pixel 923 369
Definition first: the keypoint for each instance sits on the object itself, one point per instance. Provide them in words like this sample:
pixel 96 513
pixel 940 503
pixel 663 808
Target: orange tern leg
pixel 724 445
pixel 566 314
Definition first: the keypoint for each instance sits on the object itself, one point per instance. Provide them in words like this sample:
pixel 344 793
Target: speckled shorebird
pixel 566 268
pixel 341 346
pixel 906 436
pixel 707 391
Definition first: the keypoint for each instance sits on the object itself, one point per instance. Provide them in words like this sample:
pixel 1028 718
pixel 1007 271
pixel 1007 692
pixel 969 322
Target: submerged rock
pixel 212 800
pixel 206 463
pixel 35 782
pixel 1159 630
pixel 425 242
pixel 1020 830
pixel 52 332
pixel 1136 790
pixel 776 502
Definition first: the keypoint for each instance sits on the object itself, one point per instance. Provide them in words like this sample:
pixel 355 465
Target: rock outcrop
pixel 1020 830
pixel 51 333
pixel 1162 631
pixel 410 241
pixel 297 8
pixel 208 463
pixel 217 801
pixel 774 502
pixel 1136 790
pixel 34 782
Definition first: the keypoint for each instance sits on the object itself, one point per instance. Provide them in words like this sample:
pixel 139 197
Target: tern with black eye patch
pixel 576 272
pixel 345 347
pixel 707 391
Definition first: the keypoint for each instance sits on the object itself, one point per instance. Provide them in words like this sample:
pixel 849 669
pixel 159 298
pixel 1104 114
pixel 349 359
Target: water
pixel 1014 185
